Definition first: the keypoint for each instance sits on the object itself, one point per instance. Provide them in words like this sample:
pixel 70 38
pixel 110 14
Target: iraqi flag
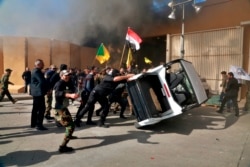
pixel 133 39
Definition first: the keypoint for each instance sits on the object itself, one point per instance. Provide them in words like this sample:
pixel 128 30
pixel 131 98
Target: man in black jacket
pixel 26 77
pixel 117 96
pixel 88 87
pixel 100 93
pixel 38 88
pixel 231 93
pixel 48 98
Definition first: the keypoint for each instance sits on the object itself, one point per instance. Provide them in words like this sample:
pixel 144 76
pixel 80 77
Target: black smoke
pixel 83 22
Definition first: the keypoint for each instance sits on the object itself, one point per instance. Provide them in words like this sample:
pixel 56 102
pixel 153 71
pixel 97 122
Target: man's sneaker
pixel 218 111
pixel 114 111
pixel 123 117
pixel 77 123
pixel 63 149
pixel 73 137
pixel 101 124
pixel 97 112
pixel 48 117
pixel 90 123
pixel 14 101
pixel 41 128
pixel 58 124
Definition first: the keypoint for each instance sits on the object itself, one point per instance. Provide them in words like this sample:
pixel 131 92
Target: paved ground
pixel 197 138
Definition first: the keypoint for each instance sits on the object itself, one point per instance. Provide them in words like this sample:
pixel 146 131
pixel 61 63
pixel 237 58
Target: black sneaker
pixel 77 123
pixel 97 112
pixel 41 128
pixel 218 111
pixel 58 124
pixel 90 123
pixel 48 117
pixel 63 149
pixel 14 101
pixel 101 124
pixel 73 137
pixel 123 117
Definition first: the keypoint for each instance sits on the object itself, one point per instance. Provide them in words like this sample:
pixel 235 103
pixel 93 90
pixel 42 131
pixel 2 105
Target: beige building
pixel 214 39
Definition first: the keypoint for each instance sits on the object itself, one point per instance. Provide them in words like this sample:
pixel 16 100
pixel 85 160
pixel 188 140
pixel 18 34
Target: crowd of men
pixel 53 89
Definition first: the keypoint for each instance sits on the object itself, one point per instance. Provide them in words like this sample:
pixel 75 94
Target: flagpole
pixel 122 54
pixel 107 62
pixel 93 61
pixel 123 51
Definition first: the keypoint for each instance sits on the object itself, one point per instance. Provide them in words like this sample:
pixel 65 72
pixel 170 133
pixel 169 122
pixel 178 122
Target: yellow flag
pixel 129 59
pixel 102 54
pixel 147 61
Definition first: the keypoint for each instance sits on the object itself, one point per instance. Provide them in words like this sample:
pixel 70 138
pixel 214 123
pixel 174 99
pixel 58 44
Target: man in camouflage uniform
pixel 4 86
pixel 60 102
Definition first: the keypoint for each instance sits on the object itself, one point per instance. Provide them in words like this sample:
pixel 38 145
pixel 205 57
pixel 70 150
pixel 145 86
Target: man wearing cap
pixel 4 89
pixel 38 89
pixel 55 78
pixel 61 95
pixel 100 93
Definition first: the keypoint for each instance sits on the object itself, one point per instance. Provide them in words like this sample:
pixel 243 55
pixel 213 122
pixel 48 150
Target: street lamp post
pixel 182 32
pixel 172 16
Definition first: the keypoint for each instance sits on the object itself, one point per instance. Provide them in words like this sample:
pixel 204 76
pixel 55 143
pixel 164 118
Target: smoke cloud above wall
pixel 83 22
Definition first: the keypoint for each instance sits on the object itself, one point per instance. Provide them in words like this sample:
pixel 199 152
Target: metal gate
pixel 210 52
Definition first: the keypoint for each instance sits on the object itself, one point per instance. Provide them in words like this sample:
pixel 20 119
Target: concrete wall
pixel 60 53
pixel 38 48
pixel 1 56
pixel 14 57
pixel 75 58
pixel 88 57
pixel 20 52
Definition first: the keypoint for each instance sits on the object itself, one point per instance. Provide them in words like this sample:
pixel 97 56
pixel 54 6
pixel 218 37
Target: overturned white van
pixel 165 91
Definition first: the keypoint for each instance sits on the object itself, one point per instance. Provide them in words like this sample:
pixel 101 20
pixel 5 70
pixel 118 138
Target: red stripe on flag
pixel 133 35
